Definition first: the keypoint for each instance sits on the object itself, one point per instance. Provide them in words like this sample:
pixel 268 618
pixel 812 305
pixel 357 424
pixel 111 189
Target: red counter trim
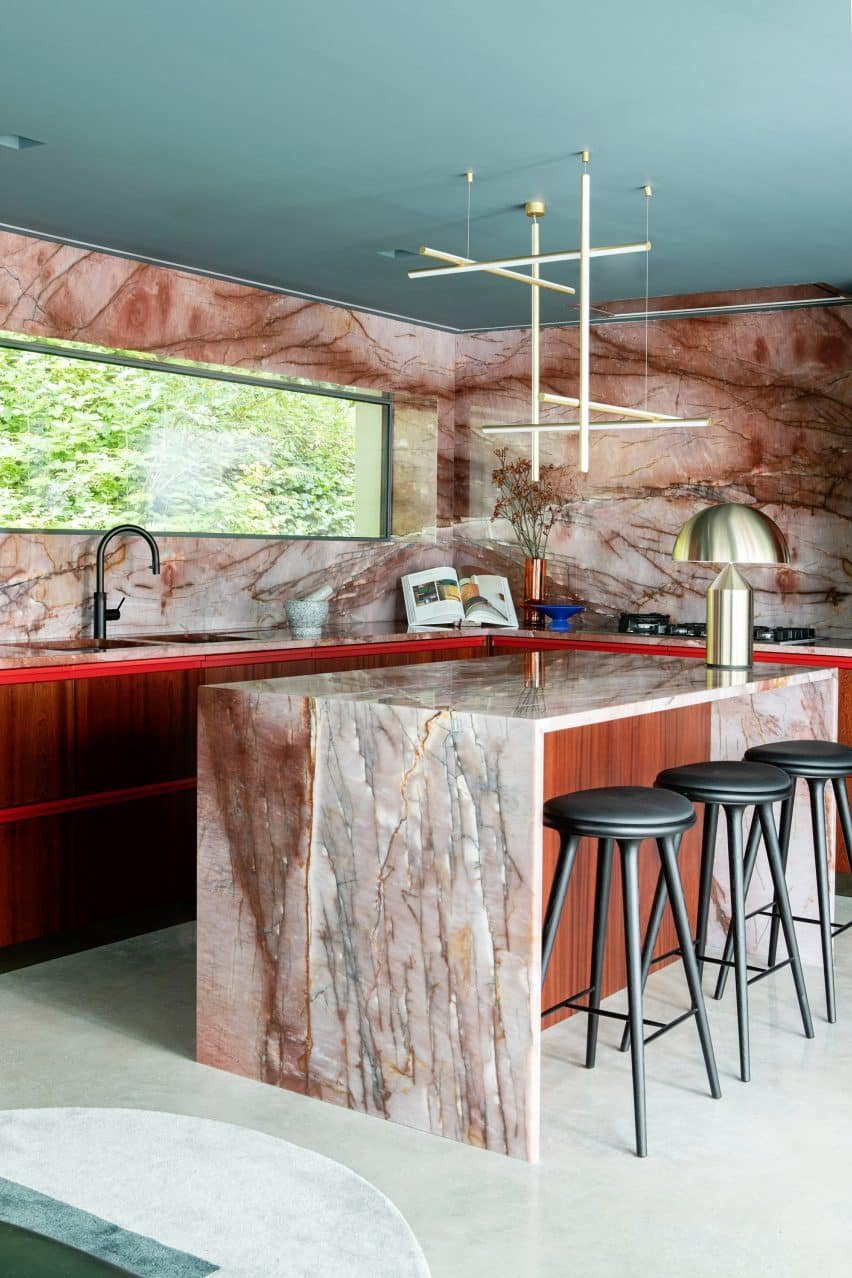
pixel 232 657
pixel 103 799
pixel 781 656
pixel 495 644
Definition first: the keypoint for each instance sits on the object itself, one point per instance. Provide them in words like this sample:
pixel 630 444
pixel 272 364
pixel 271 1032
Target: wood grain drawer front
pixel 36 742
pixel 58 873
pixel 259 670
pixel 135 729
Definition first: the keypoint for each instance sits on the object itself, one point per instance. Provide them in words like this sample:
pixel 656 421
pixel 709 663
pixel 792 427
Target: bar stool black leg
pixel 705 890
pixel 752 849
pixel 603 884
pixel 782 899
pixel 784 840
pixel 668 856
pixel 841 794
pixel 655 922
pixel 556 900
pixel 734 819
pixel 629 849
pixel 816 789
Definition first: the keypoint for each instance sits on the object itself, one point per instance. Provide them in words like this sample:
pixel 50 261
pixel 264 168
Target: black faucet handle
pixel 114 614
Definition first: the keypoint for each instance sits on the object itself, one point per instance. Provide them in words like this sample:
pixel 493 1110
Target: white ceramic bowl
pixel 306 616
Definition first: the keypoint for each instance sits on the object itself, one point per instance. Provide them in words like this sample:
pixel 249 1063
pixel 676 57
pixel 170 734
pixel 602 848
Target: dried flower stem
pixel 533 506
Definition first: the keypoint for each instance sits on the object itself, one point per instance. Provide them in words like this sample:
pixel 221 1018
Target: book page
pixel 487 600
pixel 432 598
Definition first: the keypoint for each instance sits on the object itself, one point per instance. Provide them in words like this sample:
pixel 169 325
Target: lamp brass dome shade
pixel 731 534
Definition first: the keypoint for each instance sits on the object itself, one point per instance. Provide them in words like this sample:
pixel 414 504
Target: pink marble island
pixel 372 865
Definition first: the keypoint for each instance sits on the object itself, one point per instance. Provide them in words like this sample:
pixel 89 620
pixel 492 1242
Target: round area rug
pixel 168 1196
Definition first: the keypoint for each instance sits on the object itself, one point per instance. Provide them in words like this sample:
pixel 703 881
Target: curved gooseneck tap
pixel 102 613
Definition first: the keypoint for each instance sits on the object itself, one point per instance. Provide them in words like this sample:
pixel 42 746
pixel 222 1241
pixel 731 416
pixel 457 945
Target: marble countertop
pixel 574 687
pixel 132 647
pixel 58 651
pixel 839 645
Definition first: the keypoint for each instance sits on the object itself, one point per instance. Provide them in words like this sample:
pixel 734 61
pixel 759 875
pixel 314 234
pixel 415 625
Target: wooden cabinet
pixel 257 670
pixel 844 733
pixel 134 729
pixel 36 742
pixel 97 802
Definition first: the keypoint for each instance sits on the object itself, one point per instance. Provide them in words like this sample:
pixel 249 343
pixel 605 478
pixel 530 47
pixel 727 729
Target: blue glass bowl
pixel 559 614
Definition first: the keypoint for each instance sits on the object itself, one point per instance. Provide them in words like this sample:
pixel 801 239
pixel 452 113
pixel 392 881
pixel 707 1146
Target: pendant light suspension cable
pixel 648 192
pixel 637 418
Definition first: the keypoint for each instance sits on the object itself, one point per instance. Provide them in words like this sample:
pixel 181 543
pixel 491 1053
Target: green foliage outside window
pixel 85 445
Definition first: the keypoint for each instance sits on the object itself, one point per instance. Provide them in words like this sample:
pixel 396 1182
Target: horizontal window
pixel 90 438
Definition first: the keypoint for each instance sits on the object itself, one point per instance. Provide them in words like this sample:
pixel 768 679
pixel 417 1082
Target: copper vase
pixel 535 588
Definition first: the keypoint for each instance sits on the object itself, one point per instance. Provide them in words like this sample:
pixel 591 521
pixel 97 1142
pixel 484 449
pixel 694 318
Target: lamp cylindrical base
pixel 730 621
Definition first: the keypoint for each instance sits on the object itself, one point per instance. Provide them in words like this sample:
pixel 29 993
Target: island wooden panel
pixel 621 752
pixel 844 733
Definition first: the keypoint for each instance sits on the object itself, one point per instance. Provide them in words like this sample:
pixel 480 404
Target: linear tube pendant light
pixel 459 262
pixel 638 419
pixel 463 267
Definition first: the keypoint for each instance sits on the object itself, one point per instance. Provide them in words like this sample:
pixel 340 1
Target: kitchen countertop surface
pixel 839 645
pixel 576 687
pixel 57 652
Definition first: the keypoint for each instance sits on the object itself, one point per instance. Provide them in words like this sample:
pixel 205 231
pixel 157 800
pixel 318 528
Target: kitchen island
pixel 372 865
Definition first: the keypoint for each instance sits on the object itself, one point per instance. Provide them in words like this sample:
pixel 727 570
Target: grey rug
pixel 159 1190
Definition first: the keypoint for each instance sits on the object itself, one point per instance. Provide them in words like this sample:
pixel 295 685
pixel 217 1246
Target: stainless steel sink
pixel 89 644
pixel 192 636
pixel 78 645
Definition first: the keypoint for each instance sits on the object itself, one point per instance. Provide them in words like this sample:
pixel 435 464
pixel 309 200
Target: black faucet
pixel 102 613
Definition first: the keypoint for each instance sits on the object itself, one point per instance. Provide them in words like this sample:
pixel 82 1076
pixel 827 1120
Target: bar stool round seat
pixel 818 763
pixel 727 781
pixel 620 812
pixel 627 816
pixel 824 759
pixel 733 786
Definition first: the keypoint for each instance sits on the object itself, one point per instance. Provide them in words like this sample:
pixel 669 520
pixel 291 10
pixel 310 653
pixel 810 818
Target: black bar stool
pixel 627 815
pixel 734 786
pixel 817 762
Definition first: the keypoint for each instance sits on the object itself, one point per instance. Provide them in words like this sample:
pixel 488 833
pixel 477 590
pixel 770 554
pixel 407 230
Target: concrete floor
pixel 757 1183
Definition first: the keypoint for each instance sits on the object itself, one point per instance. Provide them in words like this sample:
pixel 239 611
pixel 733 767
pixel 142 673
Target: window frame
pixel 217 373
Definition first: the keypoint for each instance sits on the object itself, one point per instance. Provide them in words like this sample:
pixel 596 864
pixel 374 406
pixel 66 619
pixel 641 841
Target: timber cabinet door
pixel 97 783
pixel 37 742
pixel 135 729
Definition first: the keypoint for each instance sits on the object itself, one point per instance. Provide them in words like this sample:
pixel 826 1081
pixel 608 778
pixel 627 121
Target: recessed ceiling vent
pixel 17 142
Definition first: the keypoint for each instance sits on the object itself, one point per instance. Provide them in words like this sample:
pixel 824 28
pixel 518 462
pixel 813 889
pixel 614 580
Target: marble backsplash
pixel 47 579
pixel 778 388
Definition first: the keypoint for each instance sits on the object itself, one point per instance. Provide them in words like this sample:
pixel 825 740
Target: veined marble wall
pixel 778 389
pixel 47 579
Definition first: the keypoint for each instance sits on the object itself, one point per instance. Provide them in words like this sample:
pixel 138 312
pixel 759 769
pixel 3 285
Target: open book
pixel 439 597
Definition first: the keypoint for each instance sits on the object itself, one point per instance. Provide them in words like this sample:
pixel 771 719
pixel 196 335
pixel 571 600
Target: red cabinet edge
pixel 781 656
pixel 235 657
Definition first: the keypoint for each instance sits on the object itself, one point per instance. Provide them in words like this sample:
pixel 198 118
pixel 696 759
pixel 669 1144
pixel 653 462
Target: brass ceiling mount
pixel 535 208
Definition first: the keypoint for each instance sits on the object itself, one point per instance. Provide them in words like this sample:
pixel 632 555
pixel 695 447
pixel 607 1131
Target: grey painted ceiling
pixel 294 144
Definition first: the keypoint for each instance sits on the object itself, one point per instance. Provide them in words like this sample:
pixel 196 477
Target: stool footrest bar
pixel 771 913
pixel 660 1027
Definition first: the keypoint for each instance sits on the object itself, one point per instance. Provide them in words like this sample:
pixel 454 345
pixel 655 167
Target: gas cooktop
pixel 659 623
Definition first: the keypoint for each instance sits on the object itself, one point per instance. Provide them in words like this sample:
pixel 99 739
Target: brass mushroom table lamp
pixel 730 534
